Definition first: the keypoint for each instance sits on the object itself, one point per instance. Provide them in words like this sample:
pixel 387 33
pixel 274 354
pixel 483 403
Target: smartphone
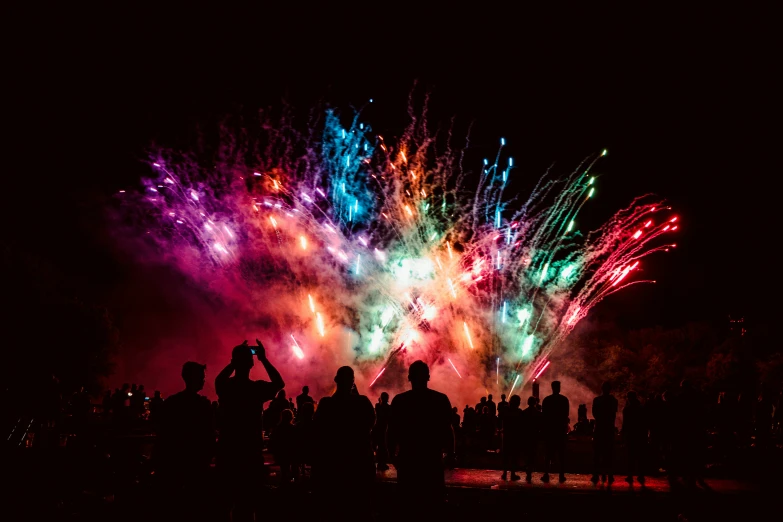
pixel 252 351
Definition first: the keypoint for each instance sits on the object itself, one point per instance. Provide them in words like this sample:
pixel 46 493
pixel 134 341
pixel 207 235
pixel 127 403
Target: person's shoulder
pixel 174 398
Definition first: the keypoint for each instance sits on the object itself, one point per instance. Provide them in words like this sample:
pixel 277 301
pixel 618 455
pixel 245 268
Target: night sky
pixel 687 103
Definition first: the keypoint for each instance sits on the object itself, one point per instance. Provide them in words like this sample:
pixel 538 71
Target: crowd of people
pixel 339 442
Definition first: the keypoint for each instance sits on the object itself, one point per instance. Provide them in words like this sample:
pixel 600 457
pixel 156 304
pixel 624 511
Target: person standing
pixel 303 397
pixel 419 432
pixel 512 438
pixel 343 469
pixel 185 445
pixel 635 436
pixel 241 402
pixel 605 414
pixel 555 409
pixel 530 432
pixel 379 431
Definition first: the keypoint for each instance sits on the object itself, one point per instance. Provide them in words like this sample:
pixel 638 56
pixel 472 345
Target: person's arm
pixel 274 376
pixel 222 379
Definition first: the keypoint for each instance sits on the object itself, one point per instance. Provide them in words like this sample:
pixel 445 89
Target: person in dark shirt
pixel 379 431
pixel 555 409
pixel 343 470
pixel 530 434
pixel 303 397
pixel 240 405
pixel 282 443
pixel 502 409
pixel 156 405
pixel 305 436
pixel 635 436
pixel 185 443
pixel 512 438
pixel 605 414
pixel 419 432
pixel 276 407
pixel 492 406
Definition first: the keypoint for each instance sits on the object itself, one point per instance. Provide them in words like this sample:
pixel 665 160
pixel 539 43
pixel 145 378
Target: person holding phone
pixel 240 426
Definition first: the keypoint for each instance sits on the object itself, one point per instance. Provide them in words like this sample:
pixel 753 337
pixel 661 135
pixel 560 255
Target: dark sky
pixel 686 102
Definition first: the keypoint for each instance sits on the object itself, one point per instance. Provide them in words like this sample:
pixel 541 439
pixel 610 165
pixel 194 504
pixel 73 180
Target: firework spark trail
pixel 389 246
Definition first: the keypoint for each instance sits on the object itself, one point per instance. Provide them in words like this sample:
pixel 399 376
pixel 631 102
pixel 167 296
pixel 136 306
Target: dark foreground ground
pixel 53 489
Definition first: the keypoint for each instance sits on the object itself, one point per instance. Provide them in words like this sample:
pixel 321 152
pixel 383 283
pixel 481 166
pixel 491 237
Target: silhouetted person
pixel 305 436
pixel 605 414
pixel 276 407
pixel 487 426
pixel 512 438
pixel 303 397
pixel 455 420
pixel 185 444
pixel 379 431
pixel 156 404
pixel 555 409
pixel 241 402
pixel 492 406
pixel 419 432
pixel 480 405
pixel 282 443
pixel 502 408
pixel 635 436
pixel 530 433
pixel 344 468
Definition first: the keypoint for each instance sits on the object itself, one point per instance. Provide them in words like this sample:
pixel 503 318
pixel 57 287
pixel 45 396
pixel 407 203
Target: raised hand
pixel 260 350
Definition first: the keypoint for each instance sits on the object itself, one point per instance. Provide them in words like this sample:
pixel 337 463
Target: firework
pixel 396 249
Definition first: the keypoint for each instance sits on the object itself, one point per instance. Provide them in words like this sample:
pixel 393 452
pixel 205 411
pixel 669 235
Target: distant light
pixel 257 174
pixel 604 153
pixel 502 141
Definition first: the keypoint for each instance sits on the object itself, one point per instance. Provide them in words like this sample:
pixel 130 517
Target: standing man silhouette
pixel 185 445
pixel 343 470
pixel 419 432
pixel 240 441
pixel 555 410
pixel 605 414
pixel 379 431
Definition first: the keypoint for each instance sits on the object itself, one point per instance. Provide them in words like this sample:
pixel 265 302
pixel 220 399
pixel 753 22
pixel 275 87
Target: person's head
pixel 305 390
pixel 418 374
pixel 281 394
pixel 514 402
pixel 157 394
pixel 242 357
pixel 483 400
pixel 502 396
pixel 125 387
pixel 531 401
pixel 631 396
pixel 141 388
pixel 384 397
pixel 454 410
pixel 606 388
pixel 286 417
pixel 344 378
pixel 194 375
pixel 556 387
pixel 489 397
